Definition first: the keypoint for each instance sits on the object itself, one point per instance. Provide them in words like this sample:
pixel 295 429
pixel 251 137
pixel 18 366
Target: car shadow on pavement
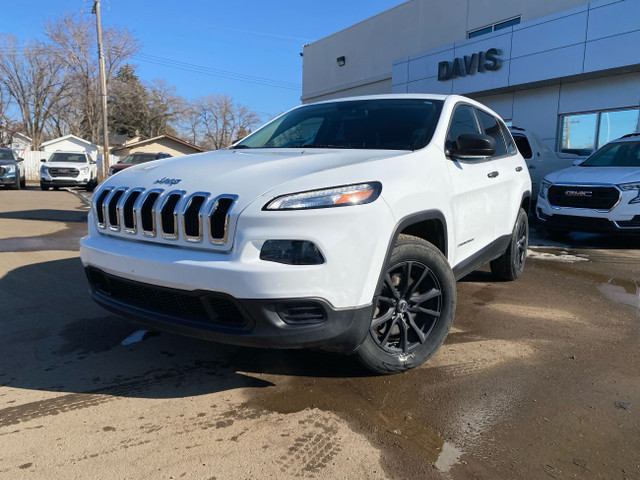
pixel 56 339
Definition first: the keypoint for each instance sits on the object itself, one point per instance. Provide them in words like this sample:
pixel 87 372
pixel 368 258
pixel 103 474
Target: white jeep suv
pixel 339 225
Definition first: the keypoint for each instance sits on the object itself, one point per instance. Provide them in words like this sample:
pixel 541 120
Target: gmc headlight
pixel 544 188
pixel 358 194
pixel 84 170
pixel 631 186
pixel 44 170
pixel 10 168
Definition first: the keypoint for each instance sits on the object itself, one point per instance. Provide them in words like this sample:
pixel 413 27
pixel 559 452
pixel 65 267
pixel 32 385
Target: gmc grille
pixel 594 198
pixel 64 172
pixel 155 214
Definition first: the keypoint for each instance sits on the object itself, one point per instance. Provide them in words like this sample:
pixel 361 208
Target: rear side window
pixel 511 146
pixel 462 121
pixel 490 127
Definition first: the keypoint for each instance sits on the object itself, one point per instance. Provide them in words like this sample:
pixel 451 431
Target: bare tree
pixel 36 82
pixel 73 41
pixel 222 122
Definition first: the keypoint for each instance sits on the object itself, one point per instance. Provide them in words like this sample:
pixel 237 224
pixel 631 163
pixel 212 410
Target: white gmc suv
pixel 339 225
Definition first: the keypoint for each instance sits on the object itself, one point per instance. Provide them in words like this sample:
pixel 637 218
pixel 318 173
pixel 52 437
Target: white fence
pixel 32 162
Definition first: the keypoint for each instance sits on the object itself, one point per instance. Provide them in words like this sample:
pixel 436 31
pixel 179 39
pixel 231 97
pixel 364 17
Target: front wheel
pixel 510 265
pixel 414 308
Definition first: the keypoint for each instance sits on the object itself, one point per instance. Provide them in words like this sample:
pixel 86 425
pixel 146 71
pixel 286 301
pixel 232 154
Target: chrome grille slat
pixel 159 215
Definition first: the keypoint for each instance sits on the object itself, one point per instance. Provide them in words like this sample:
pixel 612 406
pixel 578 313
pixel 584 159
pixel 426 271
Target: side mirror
pixel 92 162
pixel 473 145
pixel 43 160
pixel 19 159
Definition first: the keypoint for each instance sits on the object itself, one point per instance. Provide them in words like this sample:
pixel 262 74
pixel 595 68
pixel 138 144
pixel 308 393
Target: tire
pixel 43 187
pixel 16 185
pixel 510 265
pixel 91 185
pixel 413 310
pixel 23 183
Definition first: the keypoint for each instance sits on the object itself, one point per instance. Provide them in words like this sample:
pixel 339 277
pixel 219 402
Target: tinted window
pixel 490 127
pixel 68 157
pixel 136 158
pixel 511 146
pixel 523 146
pixel 6 155
pixel 462 121
pixel 623 154
pixel 385 124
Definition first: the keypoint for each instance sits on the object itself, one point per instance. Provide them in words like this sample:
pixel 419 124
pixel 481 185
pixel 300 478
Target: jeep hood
pixel 595 175
pixel 246 173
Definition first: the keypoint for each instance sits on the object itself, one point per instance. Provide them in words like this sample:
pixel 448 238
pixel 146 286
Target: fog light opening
pixel 291 252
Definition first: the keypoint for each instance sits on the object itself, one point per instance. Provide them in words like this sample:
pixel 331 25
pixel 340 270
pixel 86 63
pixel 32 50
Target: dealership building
pixel 567 70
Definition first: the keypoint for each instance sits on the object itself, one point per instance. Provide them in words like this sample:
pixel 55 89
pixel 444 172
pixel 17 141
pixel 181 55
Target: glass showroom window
pixel 583 133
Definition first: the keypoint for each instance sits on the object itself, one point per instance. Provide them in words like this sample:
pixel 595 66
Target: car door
pixel 471 200
pixel 505 177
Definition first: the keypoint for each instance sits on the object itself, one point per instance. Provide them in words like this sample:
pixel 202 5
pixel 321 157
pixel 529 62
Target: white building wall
pixel 371 46
pixel 70 144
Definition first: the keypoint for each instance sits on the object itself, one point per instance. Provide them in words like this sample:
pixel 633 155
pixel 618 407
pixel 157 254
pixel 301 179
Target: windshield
pixel 622 154
pixel 68 157
pixel 384 124
pixel 6 155
pixel 136 158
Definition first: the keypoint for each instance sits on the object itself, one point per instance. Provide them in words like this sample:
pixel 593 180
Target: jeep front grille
pixel 157 215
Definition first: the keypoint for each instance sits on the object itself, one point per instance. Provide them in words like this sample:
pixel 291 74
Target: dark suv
pixel 135 159
pixel 11 169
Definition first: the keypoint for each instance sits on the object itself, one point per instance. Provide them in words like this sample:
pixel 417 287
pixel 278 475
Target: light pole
pixel 102 173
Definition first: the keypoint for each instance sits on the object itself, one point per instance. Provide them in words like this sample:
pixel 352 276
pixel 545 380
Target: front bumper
pixel 623 218
pixel 8 179
pixel 277 323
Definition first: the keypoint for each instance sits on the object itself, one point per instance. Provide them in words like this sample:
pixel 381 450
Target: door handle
pixel 493 174
pixel 518 169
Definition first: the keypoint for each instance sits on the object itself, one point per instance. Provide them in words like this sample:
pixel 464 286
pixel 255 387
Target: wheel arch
pixel 430 225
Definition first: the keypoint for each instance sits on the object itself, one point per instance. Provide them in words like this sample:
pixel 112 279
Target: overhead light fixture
pixel 341 61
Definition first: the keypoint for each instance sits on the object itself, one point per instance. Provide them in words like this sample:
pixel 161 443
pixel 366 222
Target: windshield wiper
pixel 239 147
pixel 329 146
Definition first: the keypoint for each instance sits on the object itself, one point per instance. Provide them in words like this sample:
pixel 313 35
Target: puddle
pixel 449 456
pixel 622 294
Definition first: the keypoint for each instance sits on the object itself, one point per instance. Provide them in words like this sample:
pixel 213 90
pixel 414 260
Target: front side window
pixel 491 127
pixel 381 124
pixel 463 120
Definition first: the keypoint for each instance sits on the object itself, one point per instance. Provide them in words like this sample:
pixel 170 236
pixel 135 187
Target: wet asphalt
pixel 538 378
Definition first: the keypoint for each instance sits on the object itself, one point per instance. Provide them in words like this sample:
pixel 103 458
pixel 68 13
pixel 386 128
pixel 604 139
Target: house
pixel 20 143
pixel 69 143
pixel 163 143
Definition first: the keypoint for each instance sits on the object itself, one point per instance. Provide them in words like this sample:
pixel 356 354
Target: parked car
pixel 541 159
pixel 340 225
pixel 12 173
pixel 601 194
pixel 135 159
pixel 68 169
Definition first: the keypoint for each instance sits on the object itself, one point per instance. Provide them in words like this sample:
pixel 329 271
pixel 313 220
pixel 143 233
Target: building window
pixel 583 133
pixel 493 28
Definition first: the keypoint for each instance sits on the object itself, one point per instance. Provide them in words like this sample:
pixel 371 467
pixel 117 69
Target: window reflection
pixel 583 133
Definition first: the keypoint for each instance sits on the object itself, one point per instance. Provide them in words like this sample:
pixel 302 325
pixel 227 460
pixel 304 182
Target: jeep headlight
pixel 544 188
pixel 625 187
pixel 343 196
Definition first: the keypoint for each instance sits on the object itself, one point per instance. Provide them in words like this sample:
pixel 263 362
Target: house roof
pixel 22 135
pixel 154 139
pixel 68 137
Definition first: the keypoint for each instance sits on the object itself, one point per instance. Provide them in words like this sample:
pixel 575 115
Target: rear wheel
pixel 23 182
pixel 414 308
pixel 511 264
pixel 43 186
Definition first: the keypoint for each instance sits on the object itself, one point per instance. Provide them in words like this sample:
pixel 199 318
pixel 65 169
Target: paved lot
pixel 539 378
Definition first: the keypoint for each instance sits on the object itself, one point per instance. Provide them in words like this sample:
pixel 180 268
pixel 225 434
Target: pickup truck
pixel 341 225
pixel 541 160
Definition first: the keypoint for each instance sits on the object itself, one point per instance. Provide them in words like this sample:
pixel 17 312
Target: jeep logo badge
pixel 578 193
pixel 167 181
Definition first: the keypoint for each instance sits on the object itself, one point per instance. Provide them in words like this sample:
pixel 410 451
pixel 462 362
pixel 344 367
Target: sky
pixel 249 49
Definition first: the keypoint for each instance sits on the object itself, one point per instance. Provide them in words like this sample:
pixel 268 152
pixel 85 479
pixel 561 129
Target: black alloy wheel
pixel 408 308
pixel 413 309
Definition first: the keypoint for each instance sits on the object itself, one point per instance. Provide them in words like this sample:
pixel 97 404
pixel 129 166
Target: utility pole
pixel 102 173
